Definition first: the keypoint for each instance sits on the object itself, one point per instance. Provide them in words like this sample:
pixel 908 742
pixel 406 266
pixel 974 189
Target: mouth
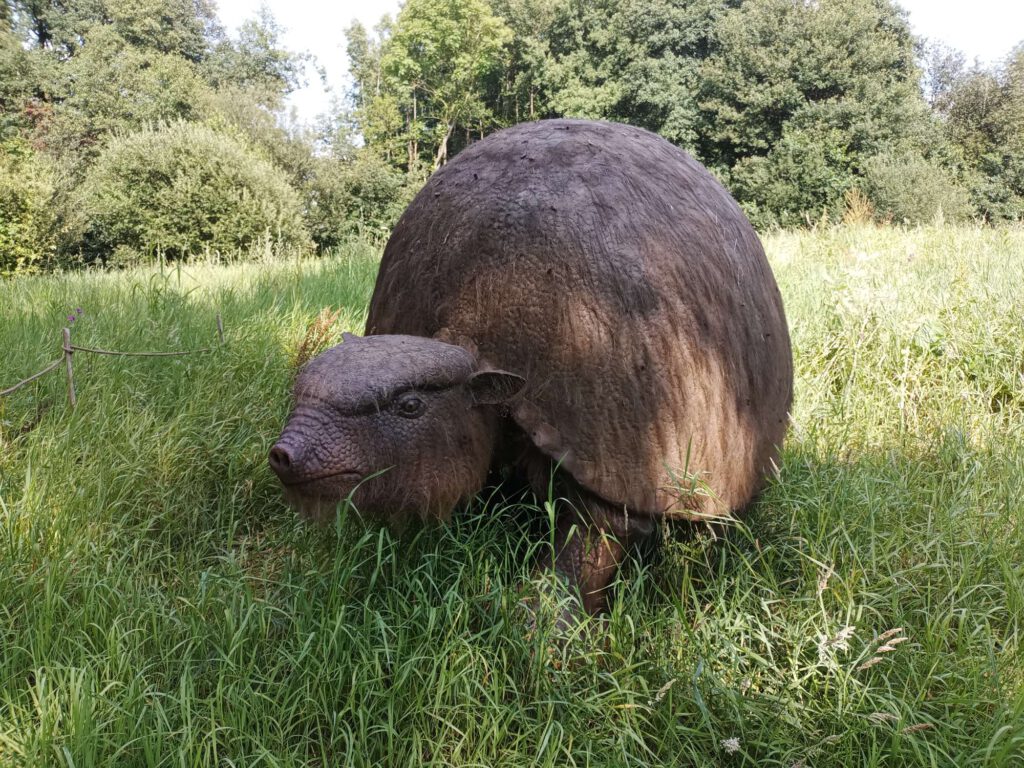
pixel 345 475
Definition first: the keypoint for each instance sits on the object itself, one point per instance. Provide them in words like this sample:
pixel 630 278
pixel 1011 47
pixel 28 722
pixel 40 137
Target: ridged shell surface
pixel 622 281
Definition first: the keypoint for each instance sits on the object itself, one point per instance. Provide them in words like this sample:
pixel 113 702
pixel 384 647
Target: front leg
pixel 591 541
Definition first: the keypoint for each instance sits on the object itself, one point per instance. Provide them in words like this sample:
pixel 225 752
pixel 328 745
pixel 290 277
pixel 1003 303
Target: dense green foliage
pixel 912 189
pixel 26 226
pixel 790 124
pixel 790 103
pixel 93 92
pixel 441 51
pixel 255 62
pixel 360 194
pixel 796 106
pixel 180 190
pixel 160 606
pixel 984 115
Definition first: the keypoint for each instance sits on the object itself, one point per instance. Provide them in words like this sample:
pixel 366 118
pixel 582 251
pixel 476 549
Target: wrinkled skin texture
pixel 622 283
pixel 392 421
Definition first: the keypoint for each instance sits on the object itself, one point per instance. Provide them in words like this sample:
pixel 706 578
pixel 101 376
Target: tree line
pixel 794 104
pixel 142 130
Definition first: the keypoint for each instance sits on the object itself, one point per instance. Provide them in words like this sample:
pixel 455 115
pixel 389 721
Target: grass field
pixel 159 605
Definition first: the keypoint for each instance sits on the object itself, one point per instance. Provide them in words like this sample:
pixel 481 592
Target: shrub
pixel 361 194
pixel 997 184
pixel 182 189
pixel 26 222
pixel 804 177
pixel 911 189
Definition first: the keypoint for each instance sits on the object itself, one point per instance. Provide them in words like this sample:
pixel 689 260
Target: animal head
pixel 402 425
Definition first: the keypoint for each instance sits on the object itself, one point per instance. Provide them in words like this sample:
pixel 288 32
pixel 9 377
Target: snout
pixel 283 459
pixel 303 469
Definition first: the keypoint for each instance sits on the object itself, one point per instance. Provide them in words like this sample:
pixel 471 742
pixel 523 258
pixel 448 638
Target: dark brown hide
pixel 391 421
pixel 617 276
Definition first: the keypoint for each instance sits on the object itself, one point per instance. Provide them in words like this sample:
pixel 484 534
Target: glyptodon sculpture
pixel 580 302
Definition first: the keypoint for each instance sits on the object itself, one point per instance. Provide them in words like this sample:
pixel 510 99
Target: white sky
pixel 982 29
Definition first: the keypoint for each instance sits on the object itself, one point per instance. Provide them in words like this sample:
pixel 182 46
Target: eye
pixel 411 406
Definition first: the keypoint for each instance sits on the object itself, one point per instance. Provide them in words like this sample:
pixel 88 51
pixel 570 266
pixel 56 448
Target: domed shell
pixel 620 279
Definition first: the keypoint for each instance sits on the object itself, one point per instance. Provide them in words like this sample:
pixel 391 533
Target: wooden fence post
pixel 220 328
pixel 68 352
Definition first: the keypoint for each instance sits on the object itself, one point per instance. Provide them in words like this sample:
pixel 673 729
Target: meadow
pixel 161 606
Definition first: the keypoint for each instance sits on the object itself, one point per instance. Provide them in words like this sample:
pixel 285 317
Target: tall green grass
pixel 159 605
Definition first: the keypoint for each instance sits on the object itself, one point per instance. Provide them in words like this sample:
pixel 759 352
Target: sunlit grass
pixel 159 605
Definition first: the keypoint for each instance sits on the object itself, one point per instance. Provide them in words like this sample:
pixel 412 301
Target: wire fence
pixel 70 350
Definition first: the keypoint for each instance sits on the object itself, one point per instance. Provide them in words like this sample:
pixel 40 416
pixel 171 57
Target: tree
pixel 256 62
pixel 110 85
pixel 516 90
pixel 18 79
pixel 984 119
pixel 425 77
pixel 785 100
pixel 637 61
pixel 357 193
pixel 442 52
pixel 89 82
pixel 377 100
pixel 586 58
pixel 797 95
pixel 180 27
pixel 943 68
pixel 670 40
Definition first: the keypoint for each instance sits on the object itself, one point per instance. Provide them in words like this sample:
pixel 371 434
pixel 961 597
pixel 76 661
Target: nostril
pixel 280 459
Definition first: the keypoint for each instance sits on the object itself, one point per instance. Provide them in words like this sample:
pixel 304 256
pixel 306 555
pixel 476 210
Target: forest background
pixel 137 131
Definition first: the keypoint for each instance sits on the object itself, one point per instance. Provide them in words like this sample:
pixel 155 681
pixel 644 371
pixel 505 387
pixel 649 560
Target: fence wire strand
pixel 69 348
pixel 33 377
pixel 140 354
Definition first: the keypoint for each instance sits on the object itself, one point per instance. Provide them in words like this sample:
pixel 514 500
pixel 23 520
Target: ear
pixel 493 387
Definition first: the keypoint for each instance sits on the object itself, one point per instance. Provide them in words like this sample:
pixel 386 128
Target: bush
pixel 180 190
pixel 997 184
pixel 358 195
pixel 803 178
pixel 911 189
pixel 26 222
